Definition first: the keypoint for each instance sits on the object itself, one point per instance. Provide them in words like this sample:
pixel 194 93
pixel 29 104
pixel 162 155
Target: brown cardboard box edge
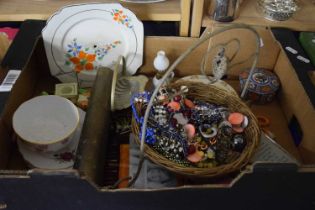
pixel 22 87
pixel 295 102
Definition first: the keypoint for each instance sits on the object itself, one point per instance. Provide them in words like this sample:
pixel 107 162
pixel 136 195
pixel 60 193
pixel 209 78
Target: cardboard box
pixel 258 186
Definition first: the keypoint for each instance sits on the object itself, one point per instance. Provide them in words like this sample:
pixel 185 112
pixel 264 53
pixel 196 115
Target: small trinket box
pixel 67 90
pixel 262 86
pixel 83 98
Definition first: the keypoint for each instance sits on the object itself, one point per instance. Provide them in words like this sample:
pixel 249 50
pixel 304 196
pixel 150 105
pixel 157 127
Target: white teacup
pixel 46 123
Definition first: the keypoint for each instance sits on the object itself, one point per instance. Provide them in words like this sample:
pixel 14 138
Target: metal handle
pixel 174 65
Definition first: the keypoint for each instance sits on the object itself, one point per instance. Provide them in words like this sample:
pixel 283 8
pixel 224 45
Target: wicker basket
pixel 211 94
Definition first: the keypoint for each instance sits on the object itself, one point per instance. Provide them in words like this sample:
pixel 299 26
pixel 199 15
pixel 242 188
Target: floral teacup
pixel 46 123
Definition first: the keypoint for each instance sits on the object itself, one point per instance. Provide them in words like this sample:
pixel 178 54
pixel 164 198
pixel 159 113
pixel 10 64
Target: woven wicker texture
pixel 210 94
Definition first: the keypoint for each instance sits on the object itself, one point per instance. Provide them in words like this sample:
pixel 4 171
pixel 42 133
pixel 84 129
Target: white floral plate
pixel 143 1
pixel 59 160
pixel 79 39
pixel 203 79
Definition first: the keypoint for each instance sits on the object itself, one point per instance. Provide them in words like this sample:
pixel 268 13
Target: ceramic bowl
pixel 46 123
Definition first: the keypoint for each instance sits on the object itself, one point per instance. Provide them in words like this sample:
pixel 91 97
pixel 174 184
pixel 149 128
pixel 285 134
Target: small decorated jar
pixel 262 86
pixel 46 123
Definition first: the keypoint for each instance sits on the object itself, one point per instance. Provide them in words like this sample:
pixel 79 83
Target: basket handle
pixel 178 61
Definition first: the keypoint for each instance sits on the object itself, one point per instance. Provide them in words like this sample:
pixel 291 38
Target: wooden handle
pixel 93 141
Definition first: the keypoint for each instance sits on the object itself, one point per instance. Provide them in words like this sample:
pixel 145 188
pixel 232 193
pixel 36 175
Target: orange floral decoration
pixel 83 61
pixel 118 16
